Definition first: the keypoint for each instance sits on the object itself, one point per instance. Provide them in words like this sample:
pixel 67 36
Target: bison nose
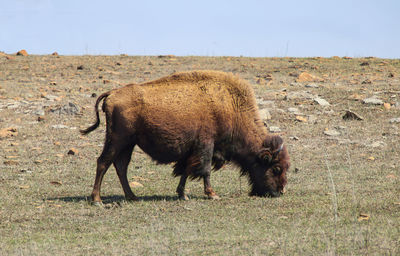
pixel 283 191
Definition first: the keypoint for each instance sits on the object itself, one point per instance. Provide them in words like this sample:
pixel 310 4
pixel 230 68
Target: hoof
pixel 97 203
pixel 214 197
pixel 184 198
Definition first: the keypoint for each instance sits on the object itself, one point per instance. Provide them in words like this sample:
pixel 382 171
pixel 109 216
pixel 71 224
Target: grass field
pixel 343 192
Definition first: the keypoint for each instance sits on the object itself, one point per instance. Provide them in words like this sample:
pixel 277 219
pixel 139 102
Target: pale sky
pixel 204 27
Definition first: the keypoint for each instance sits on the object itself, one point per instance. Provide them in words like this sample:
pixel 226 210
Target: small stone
pixel 59 126
pixel 365 63
pixel 301 119
pixel 8 132
pixel 331 133
pixel 377 144
pixel 367 81
pixel 135 184
pixel 22 53
pixel 80 67
pixel 350 115
pixel 264 114
pixel 274 129
pixel 372 101
pixel 387 106
pixel 294 138
pixel 294 110
pixel 394 120
pixel 261 81
pixel 55 54
pixel 41 118
pixel 312 86
pixel 307 77
pixel 321 102
pixel 10 162
pixel 72 151
pixel 94 95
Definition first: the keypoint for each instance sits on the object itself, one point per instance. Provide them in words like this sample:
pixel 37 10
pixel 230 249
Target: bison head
pixel 268 176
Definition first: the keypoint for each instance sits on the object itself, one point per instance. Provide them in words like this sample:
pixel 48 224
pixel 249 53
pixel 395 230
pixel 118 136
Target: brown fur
pixel 195 119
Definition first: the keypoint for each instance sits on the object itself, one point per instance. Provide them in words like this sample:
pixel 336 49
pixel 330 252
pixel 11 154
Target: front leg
pixel 208 190
pixel 181 188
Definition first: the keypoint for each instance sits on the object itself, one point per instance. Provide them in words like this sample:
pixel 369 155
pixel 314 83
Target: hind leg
pixel 121 163
pixel 103 163
pixel 110 151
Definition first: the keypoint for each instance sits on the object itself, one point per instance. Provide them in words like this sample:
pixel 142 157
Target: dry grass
pixel 342 197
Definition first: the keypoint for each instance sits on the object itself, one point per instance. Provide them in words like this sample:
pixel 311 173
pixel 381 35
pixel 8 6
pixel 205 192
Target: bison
pixel 197 120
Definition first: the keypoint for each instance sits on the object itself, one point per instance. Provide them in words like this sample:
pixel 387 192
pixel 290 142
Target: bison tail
pixel 95 125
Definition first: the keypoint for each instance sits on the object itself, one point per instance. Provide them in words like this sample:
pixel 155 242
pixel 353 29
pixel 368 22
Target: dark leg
pixel 121 166
pixel 181 188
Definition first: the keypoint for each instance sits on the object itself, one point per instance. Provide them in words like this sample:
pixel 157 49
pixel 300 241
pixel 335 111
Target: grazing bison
pixel 198 120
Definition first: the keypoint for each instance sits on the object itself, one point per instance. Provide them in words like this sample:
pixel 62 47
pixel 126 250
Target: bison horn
pixel 276 153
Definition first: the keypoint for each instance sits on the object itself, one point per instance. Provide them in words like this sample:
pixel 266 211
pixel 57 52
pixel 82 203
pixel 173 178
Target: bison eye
pixel 277 171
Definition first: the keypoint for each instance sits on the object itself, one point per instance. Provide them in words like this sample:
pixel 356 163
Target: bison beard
pixel 197 119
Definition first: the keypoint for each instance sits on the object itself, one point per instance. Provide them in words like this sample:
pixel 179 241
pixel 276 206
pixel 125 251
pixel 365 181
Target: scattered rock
pixel 8 132
pixel 72 151
pixel 135 184
pixel 394 120
pixel 307 77
pixel 261 81
pixel 69 109
pixel 387 106
pixel 264 114
pixel 59 126
pixel 274 129
pixel 377 144
pixel 22 53
pixel 80 67
pixel 94 95
pixel 10 162
pixel 330 132
pixel 365 63
pixel 55 54
pixel 294 138
pixel 265 103
pixel 372 101
pixel 312 86
pixel 301 119
pixel 41 118
pixel 50 97
pixel 367 81
pixel 350 115
pixel 299 95
pixel 295 111
pixel 321 102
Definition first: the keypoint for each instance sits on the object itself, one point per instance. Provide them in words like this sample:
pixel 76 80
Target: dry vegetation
pixel 343 192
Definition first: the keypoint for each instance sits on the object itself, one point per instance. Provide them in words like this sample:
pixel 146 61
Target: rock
pixel 330 132
pixel 264 114
pixel 394 120
pixel 50 97
pixel 135 184
pixel 80 67
pixel 321 102
pixel 274 129
pixel 307 77
pixel 69 109
pixel 301 119
pixel 350 115
pixel 10 162
pixel 72 151
pixel 299 95
pixel 8 132
pixel 265 103
pixel 22 53
pixel 365 63
pixel 372 101
pixel 377 144
pixel 295 111
pixel 367 81
pixel 59 126
pixel 312 86
pixel 261 81
pixel 41 118
pixel 55 54
pixel 387 106
pixel 294 138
